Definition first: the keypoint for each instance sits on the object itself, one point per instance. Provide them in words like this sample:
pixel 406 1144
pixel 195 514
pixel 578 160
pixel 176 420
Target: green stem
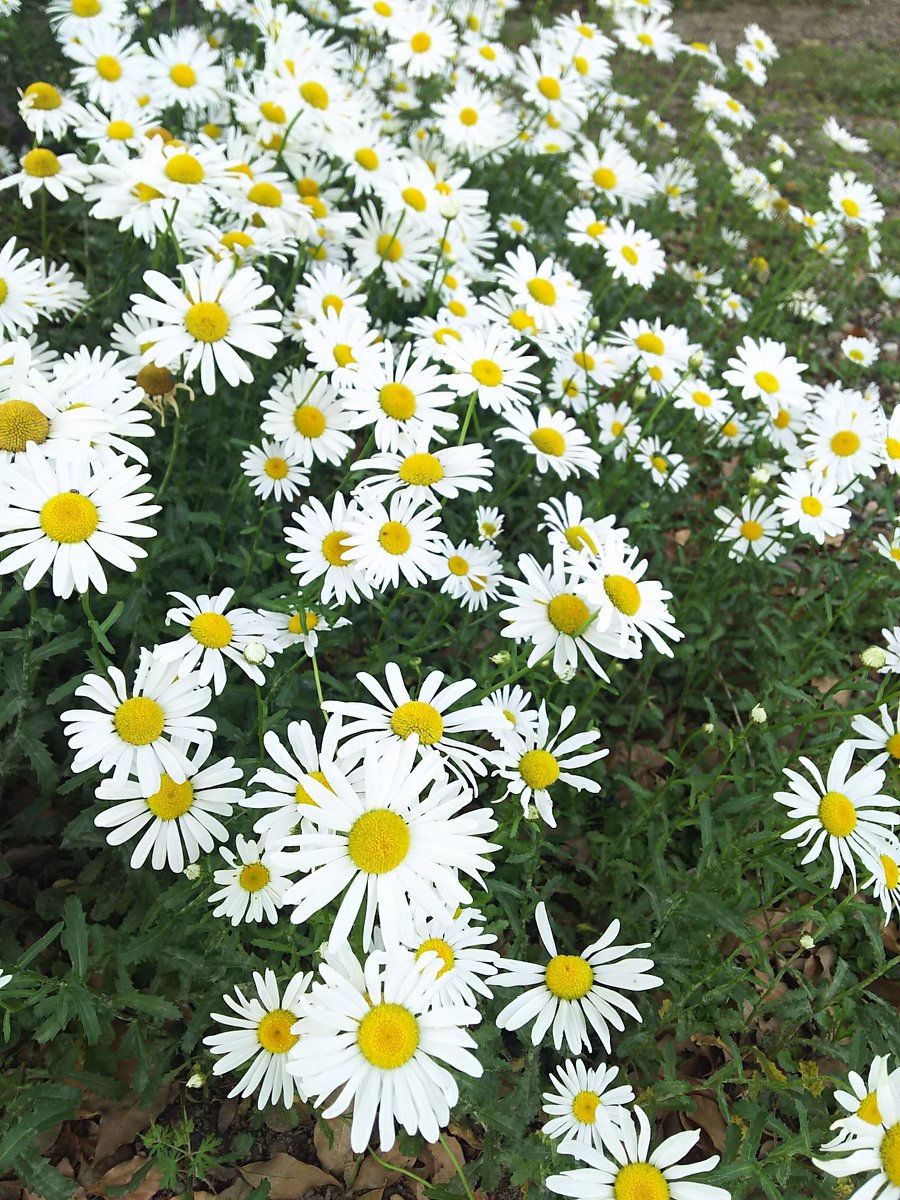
pixel 318 682
pixel 456 1166
pixel 170 464
pixel 467 418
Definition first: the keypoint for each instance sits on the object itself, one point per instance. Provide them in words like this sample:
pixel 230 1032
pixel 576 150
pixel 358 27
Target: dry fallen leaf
pixel 335 1156
pixel 122 1174
pixel 372 1175
pixel 120 1121
pixel 288 1177
pixel 438 1165
pixel 708 1117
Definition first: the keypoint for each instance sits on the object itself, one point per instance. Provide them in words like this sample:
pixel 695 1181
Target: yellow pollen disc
pixel 549 441
pixel 605 178
pixel 730 429
pixel 383 10
pixel 837 814
pixel 845 443
pixel 457 565
pixel 442 949
pixel 183 75
pixel 767 381
pixel 549 87
pixel 488 53
pixel 397 401
pixel 335 546
pixel 108 68
pixel 302 622
pixel 539 769
pixel 581 64
pixel 86 8
pixel 119 131
pixel 388 1036
pixel 623 593
pixel 389 247
pixel 414 198
pixel 441 335
pixel 868 1110
pixel 266 195
pixel 254 877
pixel 43 96
pixel 782 419
pixel 394 538
pixel 640 1181
pixel 145 192
pixel 309 421
pixel 457 308
pixel 40 164
pixel 332 303
pixel 655 373
pixel 812 506
pixel 567 613
pixel 156 381
pixel 212 630
pixel 543 291
pixel 596 229
pixel 616 428
pixel 751 530
pixel 850 207
pixel 139 721
pixel 301 795
pixel 314 94
pixel 645 39
pixel 890 1154
pixel 237 237
pixel 857 355
pixel 273 112
pixel 343 354
pixel 21 422
pixel 276 468
pixel 584 1107
pixel 702 399
pixel 274 1031
pixel 659 464
pixel 468 116
pixel 366 158
pixel 207 321
pixel 892 446
pixel 630 255
pixel 420 42
pixel 421 470
pixel 584 360
pixel 172 800
pixel 892 745
pixel 486 372
pixel 4 292
pixel 415 716
pixel 889 865
pixel 378 841
pixel 650 343
pixel 578 537
pixel 568 977
pixel 69 518
pixel 184 168
pixel 211 130
pixel 733 105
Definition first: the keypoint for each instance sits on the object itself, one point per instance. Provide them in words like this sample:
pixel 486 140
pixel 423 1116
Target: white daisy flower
pixel 843 138
pixel 889 547
pixel 632 254
pixel 48 112
pixel 490 523
pixel 883 738
pixel 323 542
pixel 21 291
pixel 584 1108
pixel 855 202
pixel 402 539
pixel 304 412
pixel 466 962
pixel 43 170
pixel 182 68
pixel 471 574
pixel 300 627
pixel 812 503
pixel 861 1102
pixel 485 362
pixel 420 472
pixel 573 991
pixel 861 351
pixel 874 1148
pixel 753 530
pixel 885 881
pixel 252 887
pixel 764 371
pixel 178 820
pixel 844 437
pixel 550 293
pixel 274 469
pixel 513 703
pixel 555 441
pixel 212 638
pixel 261 1029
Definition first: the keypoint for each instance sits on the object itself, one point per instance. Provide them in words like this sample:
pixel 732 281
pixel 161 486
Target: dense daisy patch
pixel 446 501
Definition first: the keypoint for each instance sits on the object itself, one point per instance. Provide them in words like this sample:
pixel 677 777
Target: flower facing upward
pixel 215 633
pixel 875 1147
pixel 251 888
pixel 585 1109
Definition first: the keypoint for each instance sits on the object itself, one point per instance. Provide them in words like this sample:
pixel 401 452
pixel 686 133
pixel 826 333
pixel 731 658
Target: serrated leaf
pixel 74 938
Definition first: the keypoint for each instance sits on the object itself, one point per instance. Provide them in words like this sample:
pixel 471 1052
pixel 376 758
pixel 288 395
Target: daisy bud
pixel 807 942
pixel 758 715
pixel 532 814
pixel 594 323
pixel 415 662
pixel 776 166
pixel 640 394
pixel 501 659
pixel 874 658
pixel 449 208
pixel 255 653
pixel 697 360
pixel 708 727
pixel 197 1080
pixel 566 675
pixel 192 871
pixel 761 475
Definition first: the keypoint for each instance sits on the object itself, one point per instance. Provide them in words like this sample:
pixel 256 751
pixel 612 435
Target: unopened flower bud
pixel 806 941
pixel 501 659
pixel 708 727
pixel 192 871
pixel 415 662
pixel 566 675
pixel 197 1080
pixel 255 653
pixel 532 814
pixel 874 658
pixel 758 715
pixel 697 359
pixel 449 208
pixel 776 166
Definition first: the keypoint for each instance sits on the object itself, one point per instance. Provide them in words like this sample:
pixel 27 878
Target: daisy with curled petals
pixel 68 516
pixel 885 881
pixel 261 1029
pixel 372 1037
pixel 861 1102
pixel 567 526
pixel 471 574
pixel 273 469
pixel 627 1169
pixel 395 837
pixel 42 170
pixel 303 410
pixel 487 363
pixel 585 1108
pixel 534 761
pixel 466 962
pixel 252 887
pixel 874 1147
pixel 402 539
pixel 574 991
pixel 555 441
pixel 847 812
pixel 322 544
pixel 47 111
pixel 444 472
pixel 514 703
pixel 208 321
pixel 284 794
pixel 139 734
pixel 561 616
pixel 490 523
pixel 214 635
pixel 300 627
pixel 397 717
pixel 23 285
pixel 177 820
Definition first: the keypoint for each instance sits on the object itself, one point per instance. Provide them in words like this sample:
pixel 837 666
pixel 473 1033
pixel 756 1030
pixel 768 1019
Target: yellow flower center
pixel 596 229
pixel 378 841
pixel 640 1181
pixel 420 42
pixel 4 290
pixel 616 428
pixel 388 1036
pixel 421 470
pixel 584 1107
pixel 767 381
pixel 586 361
pixel 488 53
pixel 578 537
pixel 659 464
pixel 394 537
pixel 383 10
pixel 156 381
pixel 605 178
pixel 850 207
pixel 276 468
pixel 343 354
pixel 335 546
pixel 415 199
pixel 655 373
pixel 581 64
pixel 645 39
pixel 397 401
pixel 43 96
pixel 845 443
pixel 539 769
pixel 266 195
pixel 892 446
pixel 650 343
pixel 254 877
pixel 468 116
pixel 139 721
pixel 389 247
pixel 543 291
pixel 442 949
pixel 108 68
pixel 145 192
pixel 314 94
pixel 892 745
pixel 21 422
pixel 415 716
pixel 86 8
pixel 119 131
pixel 630 255
pixel 857 355
pixel 730 429
pixel 172 800
pixel 207 321
pixel 837 814
pixel 812 506
pixel 40 164
pixel 457 565
pixel 183 76
pixel 184 168
pixel 309 421
pixel 302 622
pixel 486 372
pixel 212 630
pixel 549 441
pixel 568 977
pixel 301 795
pixel 702 399
pixel 366 158
pixel 751 530
pixel 274 1031
pixel 889 865
pixel 733 105
pixel 623 593
pixel 782 419
pixel 868 1110
pixel 890 1154
pixel 549 87
pixel 69 517
pixel 567 613
pixel 273 112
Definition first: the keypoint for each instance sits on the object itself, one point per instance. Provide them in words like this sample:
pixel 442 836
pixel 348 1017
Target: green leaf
pixel 39 1108
pixel 75 937
pixel 41 944
pixel 42 1178
pixel 151 1006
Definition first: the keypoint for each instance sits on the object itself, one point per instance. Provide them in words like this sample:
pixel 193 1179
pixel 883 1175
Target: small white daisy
pixel 252 887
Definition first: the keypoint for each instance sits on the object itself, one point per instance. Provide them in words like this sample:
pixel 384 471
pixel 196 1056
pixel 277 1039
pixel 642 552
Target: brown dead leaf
pixel 824 683
pixel 288 1177
pixel 466 1133
pixel 335 1156
pixel 708 1118
pixel 372 1175
pixel 122 1174
pixel 120 1121
pixel 438 1165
